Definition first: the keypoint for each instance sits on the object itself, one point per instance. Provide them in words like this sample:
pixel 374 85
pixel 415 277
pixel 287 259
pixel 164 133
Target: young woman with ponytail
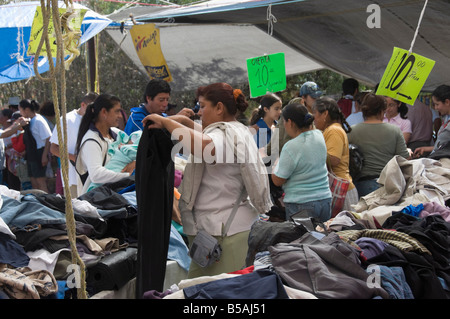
pixel 37 145
pixel 329 118
pixel 302 169
pixel 97 130
pixel 265 117
pixel 216 175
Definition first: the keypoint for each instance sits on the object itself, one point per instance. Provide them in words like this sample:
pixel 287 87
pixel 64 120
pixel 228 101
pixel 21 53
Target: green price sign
pixel 405 76
pixel 266 73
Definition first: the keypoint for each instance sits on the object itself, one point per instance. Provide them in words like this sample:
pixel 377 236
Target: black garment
pixel 433 232
pixel 30 145
pixel 419 273
pixel 264 234
pixel 11 252
pixel 260 284
pixel 121 184
pixel 56 202
pixel 113 271
pixel 104 197
pixel 36 239
pixel 11 180
pixel 155 174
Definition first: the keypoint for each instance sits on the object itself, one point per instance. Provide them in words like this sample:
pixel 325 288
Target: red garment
pixel 244 271
pixel 346 106
pixel 17 143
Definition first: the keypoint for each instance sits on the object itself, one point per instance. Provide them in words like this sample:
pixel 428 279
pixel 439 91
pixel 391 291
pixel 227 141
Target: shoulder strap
pixel 85 175
pixel 231 217
pixel 92 139
pixel 233 213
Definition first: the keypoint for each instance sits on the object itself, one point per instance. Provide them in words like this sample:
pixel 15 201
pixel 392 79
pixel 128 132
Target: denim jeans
pixel 367 186
pixel 319 209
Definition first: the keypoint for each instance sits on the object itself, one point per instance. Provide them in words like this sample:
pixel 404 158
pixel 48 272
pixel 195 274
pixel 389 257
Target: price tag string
pixel 418 26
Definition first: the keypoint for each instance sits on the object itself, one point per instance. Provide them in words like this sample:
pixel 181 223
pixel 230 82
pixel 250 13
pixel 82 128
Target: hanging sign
pixel 74 21
pixel 405 76
pixel 266 73
pixel 147 44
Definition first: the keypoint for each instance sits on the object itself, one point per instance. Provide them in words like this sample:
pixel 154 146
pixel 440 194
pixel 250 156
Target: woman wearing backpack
pixel 379 142
pixel 37 145
pixel 329 118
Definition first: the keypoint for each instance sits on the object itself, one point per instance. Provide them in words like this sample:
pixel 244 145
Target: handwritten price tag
pixel 405 76
pixel 266 73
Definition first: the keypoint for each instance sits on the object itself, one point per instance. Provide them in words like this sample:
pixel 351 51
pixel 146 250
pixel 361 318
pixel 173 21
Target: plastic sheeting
pixel 15 27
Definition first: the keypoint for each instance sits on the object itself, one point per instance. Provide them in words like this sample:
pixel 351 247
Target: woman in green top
pixel 379 142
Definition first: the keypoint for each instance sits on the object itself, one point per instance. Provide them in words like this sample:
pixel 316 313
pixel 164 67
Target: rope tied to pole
pixel 51 9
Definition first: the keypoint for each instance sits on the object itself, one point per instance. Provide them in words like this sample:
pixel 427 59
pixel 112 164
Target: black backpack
pixel 356 161
pixel 84 176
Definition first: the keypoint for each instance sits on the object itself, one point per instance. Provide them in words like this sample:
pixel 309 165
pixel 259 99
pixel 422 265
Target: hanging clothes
pixel 155 171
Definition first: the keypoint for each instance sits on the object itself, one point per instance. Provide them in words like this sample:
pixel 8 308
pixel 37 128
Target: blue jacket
pixel 134 122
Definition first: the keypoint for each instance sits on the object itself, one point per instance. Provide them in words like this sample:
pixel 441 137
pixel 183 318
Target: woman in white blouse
pixel 224 163
pixel 98 129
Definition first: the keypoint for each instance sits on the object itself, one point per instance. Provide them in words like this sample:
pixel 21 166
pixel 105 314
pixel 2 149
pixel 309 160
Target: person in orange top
pixel 329 118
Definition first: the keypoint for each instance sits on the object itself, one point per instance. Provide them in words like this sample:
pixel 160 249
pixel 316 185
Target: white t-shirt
pixel 40 130
pixel 2 152
pixel 73 120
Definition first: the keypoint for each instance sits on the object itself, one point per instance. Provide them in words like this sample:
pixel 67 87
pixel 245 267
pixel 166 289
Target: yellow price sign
pixel 74 21
pixel 405 76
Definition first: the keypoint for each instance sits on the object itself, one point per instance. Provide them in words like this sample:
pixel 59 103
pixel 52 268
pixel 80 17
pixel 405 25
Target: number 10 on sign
pixel 266 74
pixel 405 76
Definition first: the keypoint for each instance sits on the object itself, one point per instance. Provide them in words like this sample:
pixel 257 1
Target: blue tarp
pixel 15 28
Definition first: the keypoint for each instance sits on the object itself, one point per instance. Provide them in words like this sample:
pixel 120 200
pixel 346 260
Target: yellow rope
pixel 52 9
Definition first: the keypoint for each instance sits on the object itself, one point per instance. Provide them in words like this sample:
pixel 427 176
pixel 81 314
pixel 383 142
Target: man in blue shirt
pixel 156 99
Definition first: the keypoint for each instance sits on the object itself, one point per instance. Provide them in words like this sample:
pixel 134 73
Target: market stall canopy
pixel 337 34
pixel 15 27
pixel 199 54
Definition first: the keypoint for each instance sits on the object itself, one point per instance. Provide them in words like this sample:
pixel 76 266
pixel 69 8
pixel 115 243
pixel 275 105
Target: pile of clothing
pixel 394 245
pixel 35 252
